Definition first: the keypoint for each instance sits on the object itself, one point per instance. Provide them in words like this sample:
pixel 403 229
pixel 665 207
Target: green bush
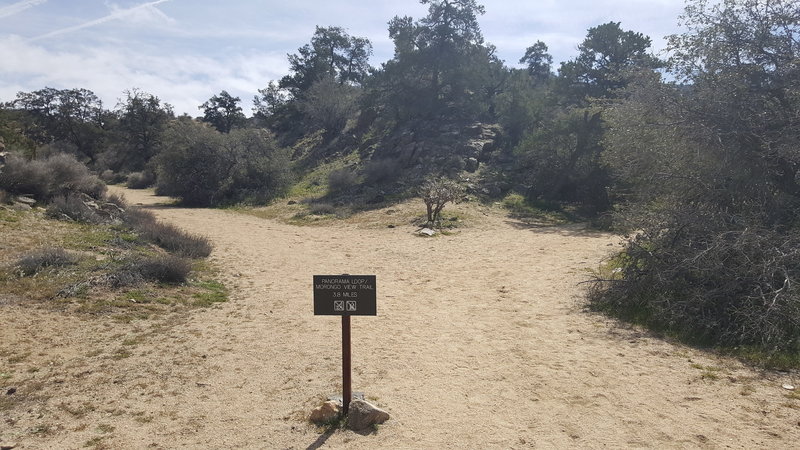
pixel 205 168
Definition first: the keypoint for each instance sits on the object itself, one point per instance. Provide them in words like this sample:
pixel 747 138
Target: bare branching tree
pixel 437 192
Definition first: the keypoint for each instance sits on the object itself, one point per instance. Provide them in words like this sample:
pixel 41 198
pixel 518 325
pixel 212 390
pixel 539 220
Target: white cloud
pixel 185 81
pixel 16 8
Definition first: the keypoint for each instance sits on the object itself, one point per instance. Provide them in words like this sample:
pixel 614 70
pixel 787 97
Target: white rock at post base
pixel 326 412
pixel 362 414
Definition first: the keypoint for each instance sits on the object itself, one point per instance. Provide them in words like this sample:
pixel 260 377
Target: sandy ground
pixel 481 341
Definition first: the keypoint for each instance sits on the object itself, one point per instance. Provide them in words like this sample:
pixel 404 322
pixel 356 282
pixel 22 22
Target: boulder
pixel 26 200
pixel 362 415
pixel 326 412
pixel 471 165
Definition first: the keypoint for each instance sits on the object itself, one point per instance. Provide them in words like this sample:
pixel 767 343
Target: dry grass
pixel 57 272
pixel 80 267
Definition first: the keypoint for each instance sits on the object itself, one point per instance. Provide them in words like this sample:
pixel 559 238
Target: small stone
pixel 25 199
pixel 390 226
pixel 788 387
pixel 291 202
pixel 362 414
pixel 11 391
pixel 427 232
pixel 326 412
pixel 8 445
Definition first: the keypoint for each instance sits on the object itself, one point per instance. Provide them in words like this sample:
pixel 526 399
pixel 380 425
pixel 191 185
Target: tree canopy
pixel 223 112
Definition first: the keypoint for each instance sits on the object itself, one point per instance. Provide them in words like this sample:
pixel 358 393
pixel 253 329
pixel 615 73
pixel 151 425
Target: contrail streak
pixel 113 16
pixel 18 7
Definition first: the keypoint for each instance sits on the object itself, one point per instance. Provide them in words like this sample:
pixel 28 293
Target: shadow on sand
pixel 569 229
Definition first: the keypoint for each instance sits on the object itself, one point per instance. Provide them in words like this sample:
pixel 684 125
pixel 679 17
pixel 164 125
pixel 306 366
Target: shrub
pixel 71 207
pixel 204 168
pixel 126 276
pixel 68 175
pixel 137 217
pixel 57 175
pixel 725 288
pixel 118 200
pixel 110 177
pixel 173 239
pixel 322 209
pixel 37 260
pixel 140 180
pixel 341 180
pixel 437 192
pixel 382 171
pixel 164 269
pixel 22 177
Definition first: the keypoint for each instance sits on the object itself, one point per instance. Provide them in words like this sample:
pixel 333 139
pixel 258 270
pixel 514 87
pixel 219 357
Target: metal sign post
pixel 345 295
pixel 347 380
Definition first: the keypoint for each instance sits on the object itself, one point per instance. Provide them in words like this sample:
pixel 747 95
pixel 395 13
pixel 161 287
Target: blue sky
pixel 185 51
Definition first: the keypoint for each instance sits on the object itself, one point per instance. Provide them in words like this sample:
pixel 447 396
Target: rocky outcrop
pixel 449 146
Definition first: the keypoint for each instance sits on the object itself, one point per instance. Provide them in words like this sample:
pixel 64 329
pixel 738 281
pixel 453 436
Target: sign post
pixel 345 295
pixel 347 379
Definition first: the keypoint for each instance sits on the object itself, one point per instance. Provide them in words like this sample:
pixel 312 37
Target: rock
pixel 788 387
pixel 8 445
pixel 363 414
pixel 11 391
pixel 326 412
pixel 472 149
pixel 26 200
pixel 390 226
pixel 291 202
pixel 472 165
pixel 426 232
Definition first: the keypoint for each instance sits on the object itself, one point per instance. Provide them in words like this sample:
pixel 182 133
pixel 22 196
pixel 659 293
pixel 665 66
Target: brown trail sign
pixel 345 295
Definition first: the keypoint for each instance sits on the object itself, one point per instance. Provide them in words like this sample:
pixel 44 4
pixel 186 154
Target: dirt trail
pixel 480 342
